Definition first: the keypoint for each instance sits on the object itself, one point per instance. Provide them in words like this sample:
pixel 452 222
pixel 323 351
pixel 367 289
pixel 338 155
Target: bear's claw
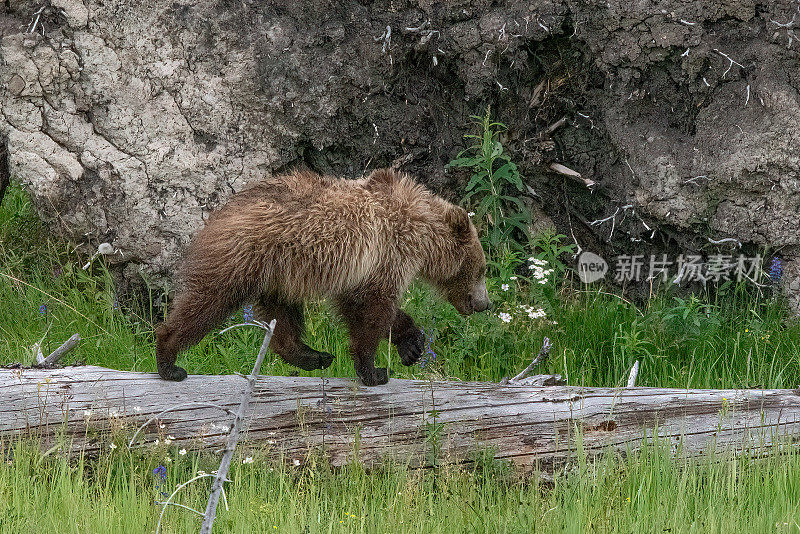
pixel 325 359
pixel 172 372
pixel 410 348
pixel 374 377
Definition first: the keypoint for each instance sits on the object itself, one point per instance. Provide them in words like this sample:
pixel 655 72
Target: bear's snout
pixel 479 298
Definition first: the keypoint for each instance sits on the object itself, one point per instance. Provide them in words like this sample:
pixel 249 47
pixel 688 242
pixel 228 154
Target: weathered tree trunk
pixel 292 416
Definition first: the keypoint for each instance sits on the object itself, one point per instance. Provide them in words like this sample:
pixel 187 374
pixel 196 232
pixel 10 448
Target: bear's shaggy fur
pixel 304 236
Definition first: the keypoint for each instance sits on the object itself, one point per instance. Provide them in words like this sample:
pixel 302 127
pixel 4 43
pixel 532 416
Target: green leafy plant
pixel 488 190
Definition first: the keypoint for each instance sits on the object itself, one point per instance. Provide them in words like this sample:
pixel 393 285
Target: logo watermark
pixel 714 268
pixel 591 267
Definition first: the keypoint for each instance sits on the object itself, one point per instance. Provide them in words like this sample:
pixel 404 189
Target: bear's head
pixel 465 285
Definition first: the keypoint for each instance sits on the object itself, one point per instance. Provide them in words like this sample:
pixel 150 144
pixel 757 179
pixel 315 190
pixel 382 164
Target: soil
pixel 129 123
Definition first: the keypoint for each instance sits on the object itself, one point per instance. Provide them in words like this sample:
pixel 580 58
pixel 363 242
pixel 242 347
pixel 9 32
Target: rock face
pixel 129 122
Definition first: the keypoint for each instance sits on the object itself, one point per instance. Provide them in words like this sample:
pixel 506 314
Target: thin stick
pixel 233 437
pixel 59 353
pixel 541 357
pixel 566 171
pixel 251 323
pixel 634 373
pixel 169 500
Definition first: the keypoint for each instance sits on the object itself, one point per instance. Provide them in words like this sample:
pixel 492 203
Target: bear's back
pixel 307 236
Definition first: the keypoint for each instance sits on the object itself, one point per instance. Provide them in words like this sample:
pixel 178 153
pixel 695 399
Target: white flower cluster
pixel 530 311
pixel 533 313
pixel 539 271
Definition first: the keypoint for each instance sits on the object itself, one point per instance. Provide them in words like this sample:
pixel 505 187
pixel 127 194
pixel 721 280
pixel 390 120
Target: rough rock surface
pixel 128 122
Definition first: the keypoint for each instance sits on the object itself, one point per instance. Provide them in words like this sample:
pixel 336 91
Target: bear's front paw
pixel 325 359
pixel 410 348
pixel 374 377
pixel 172 372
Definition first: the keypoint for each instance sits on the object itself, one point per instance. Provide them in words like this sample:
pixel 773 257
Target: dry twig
pixel 233 436
pixel 59 353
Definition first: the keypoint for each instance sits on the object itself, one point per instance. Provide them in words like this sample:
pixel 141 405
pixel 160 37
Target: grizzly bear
pixel 304 236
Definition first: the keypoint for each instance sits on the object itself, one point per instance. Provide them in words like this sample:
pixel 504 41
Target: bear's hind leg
pixel 192 316
pixel 287 338
pixel 369 320
pixel 408 338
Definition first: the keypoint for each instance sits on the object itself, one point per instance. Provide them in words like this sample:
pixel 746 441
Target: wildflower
pixel 248 460
pixel 167 459
pixel 161 425
pixel 113 446
pixel 167 441
pixel 505 317
pixel 182 452
pixel 471 214
pixel 157 441
pixel 776 270
pixel 504 287
pixel 247 312
pixel 201 473
pixel 271 442
pixel 296 462
pixel 43 309
pixel 428 355
pixel 160 471
pixel 512 277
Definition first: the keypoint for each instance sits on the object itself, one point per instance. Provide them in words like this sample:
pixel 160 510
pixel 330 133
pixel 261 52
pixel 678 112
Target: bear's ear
pixel 382 178
pixel 458 221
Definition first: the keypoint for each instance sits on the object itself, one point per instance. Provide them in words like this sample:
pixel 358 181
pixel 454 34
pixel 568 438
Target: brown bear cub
pixel 304 236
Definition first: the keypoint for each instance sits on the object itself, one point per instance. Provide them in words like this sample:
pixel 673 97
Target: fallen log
pixel 292 416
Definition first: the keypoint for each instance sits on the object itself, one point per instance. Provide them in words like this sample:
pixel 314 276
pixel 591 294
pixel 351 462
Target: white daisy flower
pixel 504 287
pixel 182 452
pixel 505 317
pixel 248 460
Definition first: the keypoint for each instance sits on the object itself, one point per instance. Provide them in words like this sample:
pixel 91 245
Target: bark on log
pixel 529 426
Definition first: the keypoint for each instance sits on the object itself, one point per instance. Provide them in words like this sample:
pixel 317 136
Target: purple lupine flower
pixel 247 311
pixel 43 309
pixel 428 356
pixel 161 472
pixel 776 270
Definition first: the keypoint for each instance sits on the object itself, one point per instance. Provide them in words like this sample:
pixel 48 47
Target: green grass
pixel 646 492
pixel 730 340
pixel 737 341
